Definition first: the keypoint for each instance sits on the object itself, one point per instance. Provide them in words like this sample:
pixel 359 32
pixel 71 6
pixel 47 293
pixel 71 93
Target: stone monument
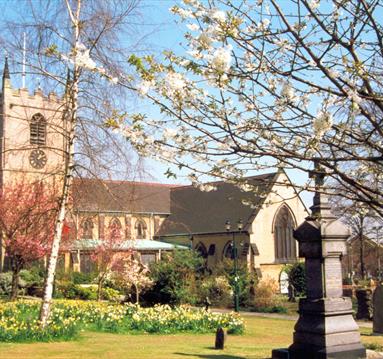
pixel 325 328
pixel 378 310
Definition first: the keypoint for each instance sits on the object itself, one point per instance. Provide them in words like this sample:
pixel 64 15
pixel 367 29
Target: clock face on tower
pixel 37 159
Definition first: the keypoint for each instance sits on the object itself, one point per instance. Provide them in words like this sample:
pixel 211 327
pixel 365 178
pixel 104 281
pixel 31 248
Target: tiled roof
pixel 124 196
pixel 194 211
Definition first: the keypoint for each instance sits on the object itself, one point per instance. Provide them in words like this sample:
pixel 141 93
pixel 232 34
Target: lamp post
pixel 235 256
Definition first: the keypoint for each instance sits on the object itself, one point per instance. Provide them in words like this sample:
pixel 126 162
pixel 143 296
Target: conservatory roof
pixel 139 245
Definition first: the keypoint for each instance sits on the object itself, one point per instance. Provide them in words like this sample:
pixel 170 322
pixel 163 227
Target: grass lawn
pixel 262 335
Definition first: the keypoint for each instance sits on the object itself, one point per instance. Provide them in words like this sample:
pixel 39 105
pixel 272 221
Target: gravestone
pixel 220 337
pixel 325 328
pixel 364 298
pixel 284 283
pixel 378 310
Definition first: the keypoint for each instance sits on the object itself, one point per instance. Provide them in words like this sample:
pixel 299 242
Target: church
pixel 151 217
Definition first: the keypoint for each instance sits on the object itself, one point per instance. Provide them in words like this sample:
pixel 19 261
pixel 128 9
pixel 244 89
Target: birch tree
pixel 268 83
pixel 76 47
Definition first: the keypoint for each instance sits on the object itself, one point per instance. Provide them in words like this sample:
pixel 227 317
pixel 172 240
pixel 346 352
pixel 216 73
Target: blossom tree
pixel 130 272
pixel 107 256
pixel 268 83
pixel 27 216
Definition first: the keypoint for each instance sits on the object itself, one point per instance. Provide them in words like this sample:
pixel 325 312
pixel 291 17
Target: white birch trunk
pixel 71 113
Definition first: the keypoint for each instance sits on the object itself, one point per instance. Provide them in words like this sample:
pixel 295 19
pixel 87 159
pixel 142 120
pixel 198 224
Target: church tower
pixel 32 136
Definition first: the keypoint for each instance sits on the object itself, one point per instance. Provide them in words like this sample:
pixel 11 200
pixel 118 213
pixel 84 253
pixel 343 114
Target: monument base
pixel 280 354
pixel 340 352
pixel 325 330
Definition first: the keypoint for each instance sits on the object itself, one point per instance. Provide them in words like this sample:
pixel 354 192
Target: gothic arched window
pixel 201 250
pixel 87 228
pixel 285 246
pixel 140 228
pixel 115 227
pixel 228 250
pixel 38 130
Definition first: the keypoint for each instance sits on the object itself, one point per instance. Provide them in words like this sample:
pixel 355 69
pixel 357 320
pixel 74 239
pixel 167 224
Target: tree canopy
pixel 268 83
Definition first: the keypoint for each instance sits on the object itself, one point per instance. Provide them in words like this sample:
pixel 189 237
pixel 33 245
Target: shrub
pixel 217 289
pixel 82 278
pixel 86 293
pixel 246 280
pixel 69 290
pixel 31 279
pixel 297 277
pixel 111 294
pixel 175 278
pixel 266 295
pixel 5 283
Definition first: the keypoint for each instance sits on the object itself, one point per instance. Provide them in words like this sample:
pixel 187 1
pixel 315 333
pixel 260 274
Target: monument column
pixel 325 328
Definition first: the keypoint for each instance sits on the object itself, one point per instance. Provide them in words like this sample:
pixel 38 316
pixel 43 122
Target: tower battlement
pixel 37 98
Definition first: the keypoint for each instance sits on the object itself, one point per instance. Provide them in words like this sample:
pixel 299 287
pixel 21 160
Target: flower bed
pixel 18 320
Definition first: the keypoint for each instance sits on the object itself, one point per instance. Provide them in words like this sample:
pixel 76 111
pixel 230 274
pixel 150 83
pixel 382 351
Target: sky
pixel 160 32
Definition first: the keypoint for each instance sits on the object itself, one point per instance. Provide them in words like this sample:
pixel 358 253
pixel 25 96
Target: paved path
pixel 362 324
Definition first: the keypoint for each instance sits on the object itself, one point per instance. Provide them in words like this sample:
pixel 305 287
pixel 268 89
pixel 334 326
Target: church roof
pixel 196 212
pixel 120 196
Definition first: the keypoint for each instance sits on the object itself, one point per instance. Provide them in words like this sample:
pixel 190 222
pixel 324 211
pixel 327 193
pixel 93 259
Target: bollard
pixel 220 337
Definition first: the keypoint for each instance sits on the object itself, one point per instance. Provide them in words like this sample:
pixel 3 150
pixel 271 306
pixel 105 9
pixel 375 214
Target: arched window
pixel 38 130
pixel 140 228
pixel 285 246
pixel 115 227
pixel 201 250
pixel 87 228
pixel 228 250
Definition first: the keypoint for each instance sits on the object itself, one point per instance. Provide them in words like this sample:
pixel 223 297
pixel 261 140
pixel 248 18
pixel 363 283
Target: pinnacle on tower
pixel 6 76
pixel 6 69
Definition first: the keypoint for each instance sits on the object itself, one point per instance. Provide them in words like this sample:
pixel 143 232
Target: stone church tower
pixel 32 140
pixel 32 137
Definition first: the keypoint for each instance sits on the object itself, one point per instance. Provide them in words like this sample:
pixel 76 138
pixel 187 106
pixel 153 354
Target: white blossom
pixel 283 44
pixel 82 57
pixel 206 187
pixel 175 82
pixel 263 25
pixel 288 91
pixel 205 40
pixel 218 15
pixel 170 133
pixel 333 73
pixel 191 2
pixel 221 59
pixel 196 54
pixel 184 13
pixel 313 4
pixel 245 187
pixel 193 27
pixel 322 123
pixel 144 87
